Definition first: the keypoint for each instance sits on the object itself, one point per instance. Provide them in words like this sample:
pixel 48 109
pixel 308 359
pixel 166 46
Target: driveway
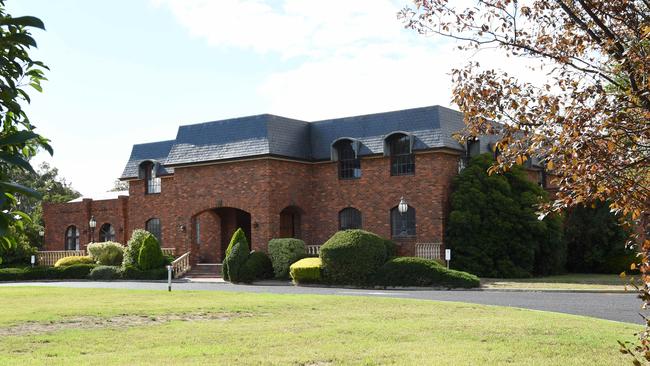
pixel 623 307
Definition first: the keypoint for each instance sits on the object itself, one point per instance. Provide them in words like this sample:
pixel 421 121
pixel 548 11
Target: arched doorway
pixel 212 230
pixel 290 219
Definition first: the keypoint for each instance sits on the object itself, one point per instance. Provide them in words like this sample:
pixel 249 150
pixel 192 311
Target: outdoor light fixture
pixel 182 228
pixel 41 233
pixel 92 224
pixel 403 207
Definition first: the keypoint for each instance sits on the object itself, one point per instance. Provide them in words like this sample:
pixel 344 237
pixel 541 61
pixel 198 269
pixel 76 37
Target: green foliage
pixel 74 259
pixel 413 271
pixel 257 267
pixel 306 270
pixel 77 272
pixel 493 228
pixel 352 257
pixel 18 141
pixel 283 253
pixel 151 255
pixel 595 240
pixel 134 273
pixel 391 248
pixel 133 246
pixel 20 253
pixel 107 253
pixel 237 257
pixel 237 236
pixel 105 273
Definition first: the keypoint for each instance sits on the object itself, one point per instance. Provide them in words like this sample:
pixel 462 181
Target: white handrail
pixel 313 249
pixel 428 250
pixel 181 265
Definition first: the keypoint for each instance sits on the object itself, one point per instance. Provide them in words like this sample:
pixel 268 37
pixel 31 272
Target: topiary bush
pixel 306 270
pixel 105 273
pixel 236 237
pixel 283 252
pixel 236 260
pixel 75 271
pixel 133 246
pixel 107 253
pixel 151 255
pixel 413 271
pixel 352 257
pixel 74 259
pixel 257 267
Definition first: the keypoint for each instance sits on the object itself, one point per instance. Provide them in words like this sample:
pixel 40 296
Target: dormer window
pixel 348 159
pixel 152 182
pixel 402 160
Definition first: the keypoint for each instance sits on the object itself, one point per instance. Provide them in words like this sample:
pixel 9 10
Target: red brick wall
pixel 59 216
pixel 264 188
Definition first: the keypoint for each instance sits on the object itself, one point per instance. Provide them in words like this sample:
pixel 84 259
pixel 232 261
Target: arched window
pixel 106 233
pixel 402 161
pixel 72 238
pixel 349 162
pixel 152 182
pixel 402 225
pixel 349 218
pixel 153 226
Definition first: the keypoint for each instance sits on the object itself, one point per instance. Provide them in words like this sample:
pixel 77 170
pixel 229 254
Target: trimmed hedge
pixel 352 257
pixel 75 271
pixel 237 236
pixel 306 270
pixel 151 255
pixel 134 273
pixel 133 247
pixel 391 249
pixel 283 252
pixel 103 273
pixel 413 271
pixel 257 267
pixel 107 253
pixel 74 259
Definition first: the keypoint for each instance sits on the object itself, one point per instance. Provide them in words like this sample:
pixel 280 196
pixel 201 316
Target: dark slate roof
pixel 432 127
pixel 155 152
pixel 266 134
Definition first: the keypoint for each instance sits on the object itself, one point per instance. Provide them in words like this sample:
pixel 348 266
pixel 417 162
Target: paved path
pixel 624 307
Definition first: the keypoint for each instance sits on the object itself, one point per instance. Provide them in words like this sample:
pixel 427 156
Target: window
pixel 349 163
pixel 107 233
pixel 402 225
pixel 349 218
pixel 72 238
pixel 198 231
pixel 153 226
pixel 152 181
pixel 541 178
pixel 402 161
pixel 473 147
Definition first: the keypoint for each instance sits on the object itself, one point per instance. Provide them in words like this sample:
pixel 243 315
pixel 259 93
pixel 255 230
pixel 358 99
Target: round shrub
pixel 104 273
pixel 107 253
pixel 133 247
pixel 257 267
pixel 352 257
pixel 283 252
pixel 151 255
pixel 413 271
pixel 74 259
pixel 306 270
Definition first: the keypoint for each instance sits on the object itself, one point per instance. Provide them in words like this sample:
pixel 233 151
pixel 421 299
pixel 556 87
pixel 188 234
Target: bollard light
pixel 169 278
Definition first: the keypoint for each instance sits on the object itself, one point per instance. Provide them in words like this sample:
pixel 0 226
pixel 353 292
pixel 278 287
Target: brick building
pixel 280 177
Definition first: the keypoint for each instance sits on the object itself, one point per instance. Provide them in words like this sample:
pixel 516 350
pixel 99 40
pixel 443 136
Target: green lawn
pixel 574 281
pixel 62 326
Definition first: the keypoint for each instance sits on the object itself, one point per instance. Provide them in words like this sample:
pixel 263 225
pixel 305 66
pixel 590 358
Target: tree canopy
pixel 18 139
pixel 493 228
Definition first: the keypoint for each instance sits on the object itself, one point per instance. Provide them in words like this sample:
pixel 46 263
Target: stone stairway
pixel 205 270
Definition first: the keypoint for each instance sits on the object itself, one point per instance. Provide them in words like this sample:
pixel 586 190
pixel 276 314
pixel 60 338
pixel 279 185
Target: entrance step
pixel 205 270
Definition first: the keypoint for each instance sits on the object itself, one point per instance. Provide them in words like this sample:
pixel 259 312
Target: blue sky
pixel 125 72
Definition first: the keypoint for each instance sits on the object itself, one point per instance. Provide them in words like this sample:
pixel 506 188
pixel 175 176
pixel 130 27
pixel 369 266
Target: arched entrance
pixel 290 219
pixel 212 230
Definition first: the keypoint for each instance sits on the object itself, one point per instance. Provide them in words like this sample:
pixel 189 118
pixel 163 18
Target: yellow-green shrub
pixel 306 270
pixel 74 259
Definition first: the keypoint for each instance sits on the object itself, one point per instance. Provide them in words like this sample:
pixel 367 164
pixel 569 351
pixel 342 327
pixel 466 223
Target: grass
pixel 270 329
pixel 574 281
